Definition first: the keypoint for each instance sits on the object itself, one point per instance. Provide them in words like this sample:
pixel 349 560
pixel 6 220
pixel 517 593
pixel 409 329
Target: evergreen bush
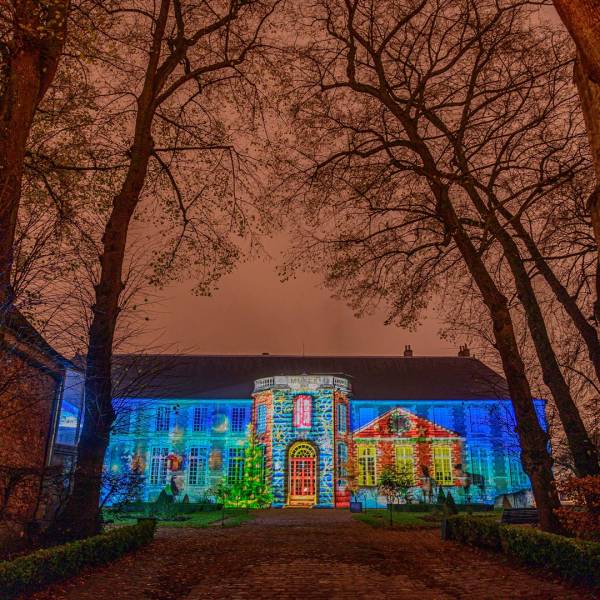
pixel 573 559
pixel 26 574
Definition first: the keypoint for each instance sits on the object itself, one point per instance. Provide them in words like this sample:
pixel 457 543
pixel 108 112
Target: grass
pixel 400 520
pixel 233 518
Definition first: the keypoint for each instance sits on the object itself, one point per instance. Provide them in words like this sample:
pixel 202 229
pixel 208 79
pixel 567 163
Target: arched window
pixel 302 411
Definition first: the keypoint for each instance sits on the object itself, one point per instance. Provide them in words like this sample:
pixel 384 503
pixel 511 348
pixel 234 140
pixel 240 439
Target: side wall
pixel 29 388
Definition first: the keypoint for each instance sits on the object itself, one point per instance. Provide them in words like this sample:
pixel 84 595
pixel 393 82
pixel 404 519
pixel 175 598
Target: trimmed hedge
pixel 422 507
pixel 573 559
pixel 36 570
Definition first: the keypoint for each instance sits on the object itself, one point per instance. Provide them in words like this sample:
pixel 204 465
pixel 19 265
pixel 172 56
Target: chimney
pixel 464 351
pixel 408 351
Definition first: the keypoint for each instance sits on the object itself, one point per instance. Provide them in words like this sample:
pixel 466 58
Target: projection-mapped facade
pixel 446 421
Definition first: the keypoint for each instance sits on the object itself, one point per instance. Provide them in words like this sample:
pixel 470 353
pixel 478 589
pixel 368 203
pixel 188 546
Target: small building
pixel 36 385
pixel 183 422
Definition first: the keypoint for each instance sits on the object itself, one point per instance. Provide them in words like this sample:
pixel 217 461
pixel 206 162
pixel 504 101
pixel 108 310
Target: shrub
pixel 572 559
pixel 28 573
pixel 475 531
pixel 583 519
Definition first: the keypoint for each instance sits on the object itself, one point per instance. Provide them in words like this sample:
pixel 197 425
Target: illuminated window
pixel 158 466
pixel 342 418
pixel 480 466
pixel 238 419
pixel 342 459
pixel 405 461
pixel 163 418
pixel 235 465
pixel 261 418
pixel 366 465
pixel 198 464
pixel 200 422
pixel 302 411
pixel 442 464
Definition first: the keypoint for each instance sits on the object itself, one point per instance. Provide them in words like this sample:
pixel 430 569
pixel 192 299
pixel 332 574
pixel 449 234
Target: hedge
pixel 36 570
pixel 573 559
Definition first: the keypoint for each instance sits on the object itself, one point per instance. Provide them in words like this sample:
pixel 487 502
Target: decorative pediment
pixel 400 423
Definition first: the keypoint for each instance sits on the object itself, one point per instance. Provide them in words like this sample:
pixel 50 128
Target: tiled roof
pixel 372 377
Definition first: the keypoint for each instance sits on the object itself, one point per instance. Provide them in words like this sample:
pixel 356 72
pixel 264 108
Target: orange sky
pixel 253 312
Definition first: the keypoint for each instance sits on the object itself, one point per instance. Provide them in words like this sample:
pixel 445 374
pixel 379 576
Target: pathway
pixel 308 554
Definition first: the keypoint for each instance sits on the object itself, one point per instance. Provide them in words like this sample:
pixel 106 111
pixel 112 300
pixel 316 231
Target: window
pixel 200 421
pixel 366 465
pixel 342 459
pixel 163 418
pixel 405 461
pixel 342 418
pixel 70 415
pixel 197 466
pixel 238 419
pixel 235 465
pixel 442 464
pixel 302 411
pixel 261 418
pixel 480 466
pixel 158 466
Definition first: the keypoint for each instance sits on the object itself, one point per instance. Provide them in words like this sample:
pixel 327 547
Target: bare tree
pixel 189 58
pixel 582 19
pixel 408 109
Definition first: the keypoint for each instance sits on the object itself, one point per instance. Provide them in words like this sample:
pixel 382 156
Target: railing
pixel 301 382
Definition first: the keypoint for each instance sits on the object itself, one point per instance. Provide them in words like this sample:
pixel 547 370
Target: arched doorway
pixel 302 475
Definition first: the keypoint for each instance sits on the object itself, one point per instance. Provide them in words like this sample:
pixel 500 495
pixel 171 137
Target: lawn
pixel 400 520
pixel 233 518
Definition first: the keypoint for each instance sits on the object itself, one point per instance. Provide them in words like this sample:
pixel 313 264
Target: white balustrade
pixel 301 382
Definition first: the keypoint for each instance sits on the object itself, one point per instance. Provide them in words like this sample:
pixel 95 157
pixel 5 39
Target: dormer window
pixel 302 411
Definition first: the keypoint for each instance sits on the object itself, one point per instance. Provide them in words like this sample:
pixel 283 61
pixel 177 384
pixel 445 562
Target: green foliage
pixel 475 531
pixel 573 559
pixel 395 484
pixel 253 491
pixel 28 573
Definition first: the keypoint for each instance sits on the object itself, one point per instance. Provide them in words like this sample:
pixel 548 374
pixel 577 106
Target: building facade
pixel 446 421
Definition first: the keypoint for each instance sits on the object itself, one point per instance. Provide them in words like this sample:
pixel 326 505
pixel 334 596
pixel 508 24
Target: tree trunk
pixel 32 60
pixel 534 442
pixel 582 20
pixel 588 332
pixel 81 515
pixel 583 450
